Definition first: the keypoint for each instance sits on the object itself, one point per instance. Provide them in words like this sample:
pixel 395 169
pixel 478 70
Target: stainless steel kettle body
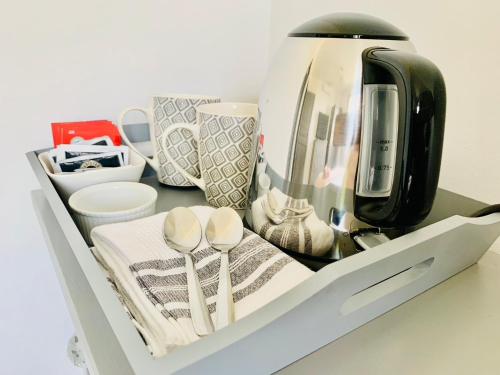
pixel 353 121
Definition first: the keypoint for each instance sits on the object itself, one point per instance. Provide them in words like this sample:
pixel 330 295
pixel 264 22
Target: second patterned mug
pixel 163 113
pixel 226 137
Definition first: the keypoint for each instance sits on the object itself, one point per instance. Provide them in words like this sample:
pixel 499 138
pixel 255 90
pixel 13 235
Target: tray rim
pixel 139 358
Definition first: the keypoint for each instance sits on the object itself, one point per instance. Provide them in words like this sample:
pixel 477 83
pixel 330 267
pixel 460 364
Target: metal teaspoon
pixel 182 232
pixel 224 232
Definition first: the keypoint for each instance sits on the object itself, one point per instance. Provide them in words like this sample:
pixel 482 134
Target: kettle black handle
pixel 422 107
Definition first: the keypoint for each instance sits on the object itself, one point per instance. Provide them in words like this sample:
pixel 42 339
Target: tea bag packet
pixel 65 152
pixel 85 155
pixel 91 161
pixel 53 159
pixel 99 141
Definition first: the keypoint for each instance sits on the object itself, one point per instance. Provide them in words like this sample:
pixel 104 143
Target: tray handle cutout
pixel 384 287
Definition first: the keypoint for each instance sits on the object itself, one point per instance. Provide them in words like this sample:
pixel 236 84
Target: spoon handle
pixel 197 304
pixel 225 304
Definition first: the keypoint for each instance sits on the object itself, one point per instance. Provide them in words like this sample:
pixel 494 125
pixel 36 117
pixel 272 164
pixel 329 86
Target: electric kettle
pixel 353 123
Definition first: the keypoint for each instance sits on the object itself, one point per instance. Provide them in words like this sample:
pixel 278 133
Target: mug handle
pixel 152 162
pixel 193 129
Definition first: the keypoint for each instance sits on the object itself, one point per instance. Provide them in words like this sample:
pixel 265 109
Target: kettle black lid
pixel 348 25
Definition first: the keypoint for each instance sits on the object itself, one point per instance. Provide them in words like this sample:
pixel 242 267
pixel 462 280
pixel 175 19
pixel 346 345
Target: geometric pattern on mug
pixel 180 143
pixel 221 201
pixel 225 148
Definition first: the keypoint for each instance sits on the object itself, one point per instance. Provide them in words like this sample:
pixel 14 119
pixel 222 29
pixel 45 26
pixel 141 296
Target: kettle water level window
pixel 378 140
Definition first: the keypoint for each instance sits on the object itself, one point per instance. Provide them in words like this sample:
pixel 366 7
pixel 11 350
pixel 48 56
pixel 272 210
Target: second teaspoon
pixel 224 232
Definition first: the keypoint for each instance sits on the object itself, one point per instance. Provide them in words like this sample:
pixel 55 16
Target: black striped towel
pixel 151 277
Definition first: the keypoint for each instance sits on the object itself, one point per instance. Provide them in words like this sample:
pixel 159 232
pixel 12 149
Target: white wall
pixel 461 38
pixel 76 60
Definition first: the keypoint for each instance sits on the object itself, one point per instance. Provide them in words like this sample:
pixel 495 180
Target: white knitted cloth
pixel 151 277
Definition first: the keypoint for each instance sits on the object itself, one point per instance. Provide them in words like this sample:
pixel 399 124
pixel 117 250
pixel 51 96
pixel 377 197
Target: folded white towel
pixel 291 223
pixel 151 277
pixel 124 305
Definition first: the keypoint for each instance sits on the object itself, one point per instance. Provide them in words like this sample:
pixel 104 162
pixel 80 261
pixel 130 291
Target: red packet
pixel 68 132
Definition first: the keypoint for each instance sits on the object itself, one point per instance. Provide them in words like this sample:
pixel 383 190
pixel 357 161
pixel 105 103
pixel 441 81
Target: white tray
pixel 337 299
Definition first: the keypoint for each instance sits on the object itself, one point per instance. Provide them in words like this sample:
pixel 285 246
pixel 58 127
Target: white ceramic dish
pixel 111 202
pixel 67 184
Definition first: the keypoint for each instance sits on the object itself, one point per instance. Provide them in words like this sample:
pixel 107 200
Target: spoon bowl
pixel 224 229
pixel 182 230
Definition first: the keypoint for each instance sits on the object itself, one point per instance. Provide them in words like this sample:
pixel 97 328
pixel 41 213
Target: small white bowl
pixel 67 184
pixel 111 202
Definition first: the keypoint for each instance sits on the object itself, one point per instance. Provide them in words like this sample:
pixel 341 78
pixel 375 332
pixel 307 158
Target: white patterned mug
pixel 226 135
pixel 163 113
